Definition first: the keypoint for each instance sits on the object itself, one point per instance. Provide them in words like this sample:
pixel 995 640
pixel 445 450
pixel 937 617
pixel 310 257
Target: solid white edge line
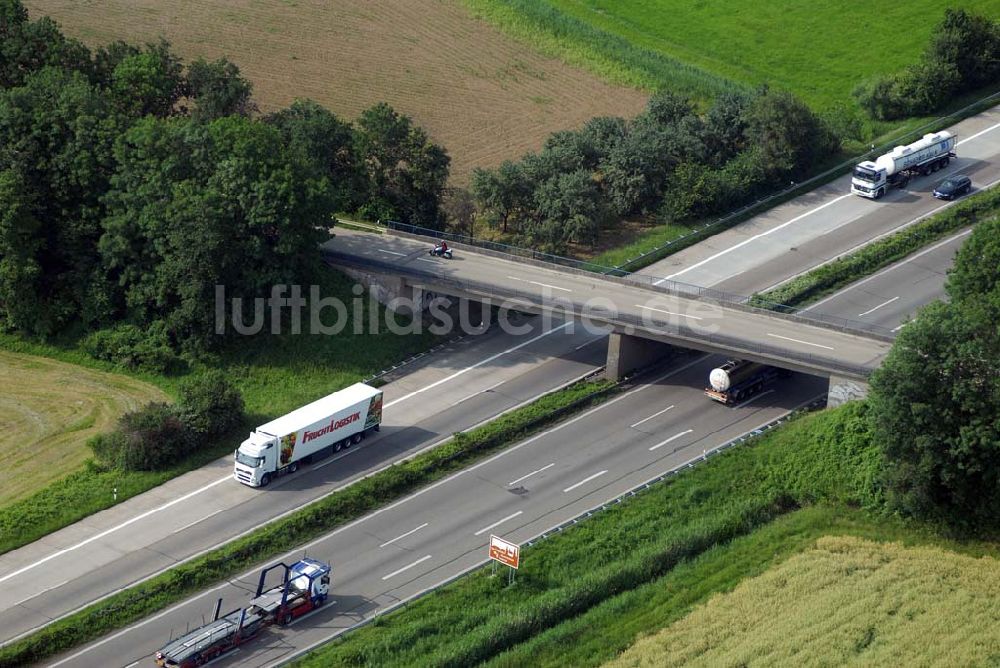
pixel 585 481
pixel 37 594
pixel 525 477
pixel 981 132
pixel 672 438
pixel 886 270
pixel 66 550
pixel 885 303
pixel 408 533
pixel 806 343
pixel 752 239
pixel 657 414
pixel 382 250
pixel 406 568
pixel 498 523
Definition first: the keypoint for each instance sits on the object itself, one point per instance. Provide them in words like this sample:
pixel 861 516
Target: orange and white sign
pixel 504 552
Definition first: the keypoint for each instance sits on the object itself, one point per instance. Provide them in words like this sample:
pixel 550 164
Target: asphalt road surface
pixel 443 530
pixel 891 296
pixel 829 221
pixel 468 382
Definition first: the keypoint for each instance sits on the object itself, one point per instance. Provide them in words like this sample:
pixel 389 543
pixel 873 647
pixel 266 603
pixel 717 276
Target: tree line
pixel 670 161
pixel 132 183
pixel 963 56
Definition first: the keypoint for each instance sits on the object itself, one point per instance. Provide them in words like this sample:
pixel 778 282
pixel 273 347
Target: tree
pixel 196 205
pixel 28 46
pixel 218 89
pixel 502 194
pixel 725 126
pixel 459 208
pixel 791 138
pixel 570 206
pixel 149 439
pixel 148 83
pixel 209 404
pixel 21 242
pixel 407 171
pixel 935 399
pixel 317 135
pixel 968 43
pixel 56 133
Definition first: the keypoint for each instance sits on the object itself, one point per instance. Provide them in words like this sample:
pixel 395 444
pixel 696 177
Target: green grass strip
pixel 314 520
pixel 829 278
pixel 611 57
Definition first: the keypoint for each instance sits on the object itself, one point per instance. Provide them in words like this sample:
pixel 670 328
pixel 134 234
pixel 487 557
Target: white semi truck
pixel 326 425
pixel 928 154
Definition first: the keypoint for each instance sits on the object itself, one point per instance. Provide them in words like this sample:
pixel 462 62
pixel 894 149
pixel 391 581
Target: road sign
pixel 504 552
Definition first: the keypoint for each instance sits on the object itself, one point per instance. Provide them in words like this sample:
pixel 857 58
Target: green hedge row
pixel 339 508
pixel 844 271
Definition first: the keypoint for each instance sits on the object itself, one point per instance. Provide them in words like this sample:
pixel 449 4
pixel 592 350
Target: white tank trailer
pixel 894 169
pixel 738 379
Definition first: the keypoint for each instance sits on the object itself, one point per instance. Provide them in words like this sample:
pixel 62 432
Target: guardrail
pixel 626 321
pixel 638 489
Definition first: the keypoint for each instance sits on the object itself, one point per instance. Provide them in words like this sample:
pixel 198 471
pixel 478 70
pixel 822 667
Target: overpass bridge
pixel 638 312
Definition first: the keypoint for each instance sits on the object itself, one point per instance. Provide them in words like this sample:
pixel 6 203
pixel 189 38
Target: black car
pixel 953 186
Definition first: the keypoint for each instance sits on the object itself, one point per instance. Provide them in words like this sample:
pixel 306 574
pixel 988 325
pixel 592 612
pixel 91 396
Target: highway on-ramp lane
pixel 443 530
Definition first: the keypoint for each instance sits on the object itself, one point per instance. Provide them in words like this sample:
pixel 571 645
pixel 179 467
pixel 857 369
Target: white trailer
pixel 326 425
pixel 739 379
pixel 929 154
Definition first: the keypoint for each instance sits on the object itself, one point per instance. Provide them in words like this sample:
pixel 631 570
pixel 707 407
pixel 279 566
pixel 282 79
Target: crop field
pixel 48 410
pixel 818 50
pixel 846 601
pixel 482 95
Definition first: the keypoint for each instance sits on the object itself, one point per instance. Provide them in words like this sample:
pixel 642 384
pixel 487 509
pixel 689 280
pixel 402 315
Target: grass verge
pixel 821 457
pixel 274 373
pixel 316 519
pixel 843 271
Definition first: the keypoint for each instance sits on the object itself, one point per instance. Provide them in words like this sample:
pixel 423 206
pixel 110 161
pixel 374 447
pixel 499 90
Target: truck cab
pixel 256 459
pixel 868 180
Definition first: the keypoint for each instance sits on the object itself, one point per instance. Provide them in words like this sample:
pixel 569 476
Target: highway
pixel 467 382
pixel 485 376
pixel 829 221
pixel 443 530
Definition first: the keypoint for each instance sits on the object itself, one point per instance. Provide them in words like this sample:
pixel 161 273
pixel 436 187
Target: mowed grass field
pixel 846 601
pixel 818 50
pixel 48 410
pixel 481 94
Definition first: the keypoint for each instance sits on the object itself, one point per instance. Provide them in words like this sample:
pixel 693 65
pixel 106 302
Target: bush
pixel 147 439
pixel 133 348
pixel 209 405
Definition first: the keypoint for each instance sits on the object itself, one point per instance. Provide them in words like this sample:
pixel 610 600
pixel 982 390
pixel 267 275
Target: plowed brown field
pixel 480 94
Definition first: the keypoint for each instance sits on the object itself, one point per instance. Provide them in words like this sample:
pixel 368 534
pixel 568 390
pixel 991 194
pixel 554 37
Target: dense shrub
pixel 964 55
pixel 133 348
pixel 147 439
pixel 209 404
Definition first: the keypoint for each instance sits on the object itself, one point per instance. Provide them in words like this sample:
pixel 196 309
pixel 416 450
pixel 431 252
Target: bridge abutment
pixel 843 390
pixel 627 353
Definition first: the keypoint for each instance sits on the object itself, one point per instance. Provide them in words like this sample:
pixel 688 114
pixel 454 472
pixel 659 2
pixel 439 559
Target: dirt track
pixel 481 95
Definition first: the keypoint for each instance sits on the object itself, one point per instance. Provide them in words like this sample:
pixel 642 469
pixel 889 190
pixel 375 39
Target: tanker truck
pixel 737 380
pixel 327 425
pixel 894 169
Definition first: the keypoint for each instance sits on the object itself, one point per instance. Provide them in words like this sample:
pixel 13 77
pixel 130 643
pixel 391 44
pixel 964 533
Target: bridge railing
pixel 516 298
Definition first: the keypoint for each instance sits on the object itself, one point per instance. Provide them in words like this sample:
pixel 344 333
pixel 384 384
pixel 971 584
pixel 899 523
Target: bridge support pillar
pixel 627 353
pixel 843 390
